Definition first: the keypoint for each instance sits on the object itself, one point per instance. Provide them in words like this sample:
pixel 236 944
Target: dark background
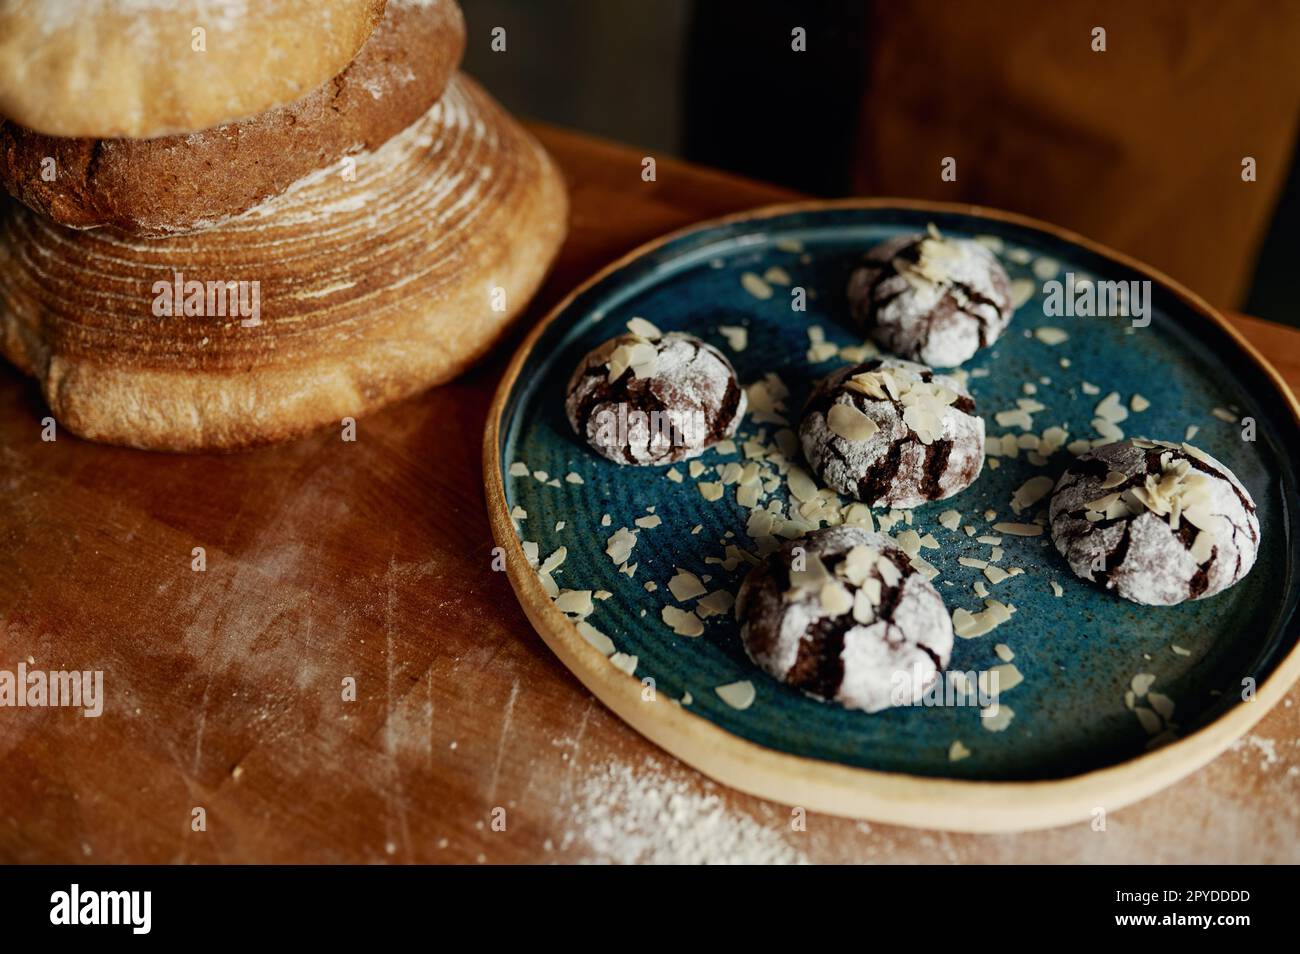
pixel 662 75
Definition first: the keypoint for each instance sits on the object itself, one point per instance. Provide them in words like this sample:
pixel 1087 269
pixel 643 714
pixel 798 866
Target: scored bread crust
pixel 114 68
pixel 371 290
pixel 175 184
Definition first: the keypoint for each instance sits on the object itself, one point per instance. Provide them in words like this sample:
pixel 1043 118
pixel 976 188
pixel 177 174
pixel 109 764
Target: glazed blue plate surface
pixel 1078 652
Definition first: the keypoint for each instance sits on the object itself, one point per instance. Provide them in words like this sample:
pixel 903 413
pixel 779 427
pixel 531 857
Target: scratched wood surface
pixel 371 560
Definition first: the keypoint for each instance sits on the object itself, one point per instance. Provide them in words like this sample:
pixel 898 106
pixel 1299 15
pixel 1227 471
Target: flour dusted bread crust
pixel 892 433
pixel 931 298
pixel 176 184
pixel 370 290
pixel 847 618
pixel 1157 523
pixel 110 68
pixel 650 398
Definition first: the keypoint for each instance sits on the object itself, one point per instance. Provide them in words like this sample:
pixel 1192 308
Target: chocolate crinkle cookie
pixel 930 298
pixel 892 433
pixel 1157 523
pixel 842 615
pixel 651 398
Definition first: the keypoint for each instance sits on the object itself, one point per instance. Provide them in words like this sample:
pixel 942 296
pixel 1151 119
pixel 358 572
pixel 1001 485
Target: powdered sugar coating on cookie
pixel 892 433
pixel 649 398
pixel 842 615
pixel 930 298
pixel 1155 522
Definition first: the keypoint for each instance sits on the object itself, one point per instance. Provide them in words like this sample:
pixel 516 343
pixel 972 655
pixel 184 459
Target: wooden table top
pixel 371 561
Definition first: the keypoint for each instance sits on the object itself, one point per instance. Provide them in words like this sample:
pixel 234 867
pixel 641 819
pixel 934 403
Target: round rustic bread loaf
pixel 143 68
pixel 176 184
pixel 368 291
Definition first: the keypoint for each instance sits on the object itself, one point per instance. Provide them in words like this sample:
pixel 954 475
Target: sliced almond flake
pixel 628 569
pixel 910 541
pixel 857 354
pixel 924 567
pixel 717 603
pixel 1008 677
pixel 822 351
pixel 1004 652
pixel 1130 699
pixel 591 634
pixel 648 523
pixel 748 497
pixel 1138 403
pixel 685 585
pixel 650 586
pixel 710 491
pixel 697 528
pixel 738 695
pixel 957 751
pixel 1016 418
pixel 950 519
pixel 777 275
pixel 1150 721
pixel 756 286
pixel 995 555
pixel 996 574
pixel 981 590
pixel 1089 388
pixel 682 622
pixel 997 717
pixel 835 599
pixel 518 513
pixel 559 525
pixel 644 329
pixel 556 558
pixel 625 662
pixel 1162 704
pixel 1030 492
pixel 518 469
pixel 970 531
pixel 1224 414
pixel 731 472
pixel 1056 589
pixel 1045 268
pixel 737 337
pixel 604 520
pixel 1190 432
pixel 1051 336
pixel 848 422
pixel 1142 682
pixel 1022 289
pixel 928 542
pixel 575 602
pixel 549 585
pixel 802 486
pixel 619 546
pixel 1053 439
pixel 989 540
pixel 994 463
pixel 1110 409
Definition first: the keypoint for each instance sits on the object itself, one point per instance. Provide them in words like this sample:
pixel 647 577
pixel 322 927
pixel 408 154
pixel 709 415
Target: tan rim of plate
pixel 830 787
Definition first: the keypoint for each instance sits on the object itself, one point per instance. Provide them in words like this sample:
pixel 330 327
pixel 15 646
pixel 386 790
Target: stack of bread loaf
pixel 238 221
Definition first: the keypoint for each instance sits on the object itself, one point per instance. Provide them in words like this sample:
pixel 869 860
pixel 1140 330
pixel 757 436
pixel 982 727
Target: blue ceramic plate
pixel 1078 652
